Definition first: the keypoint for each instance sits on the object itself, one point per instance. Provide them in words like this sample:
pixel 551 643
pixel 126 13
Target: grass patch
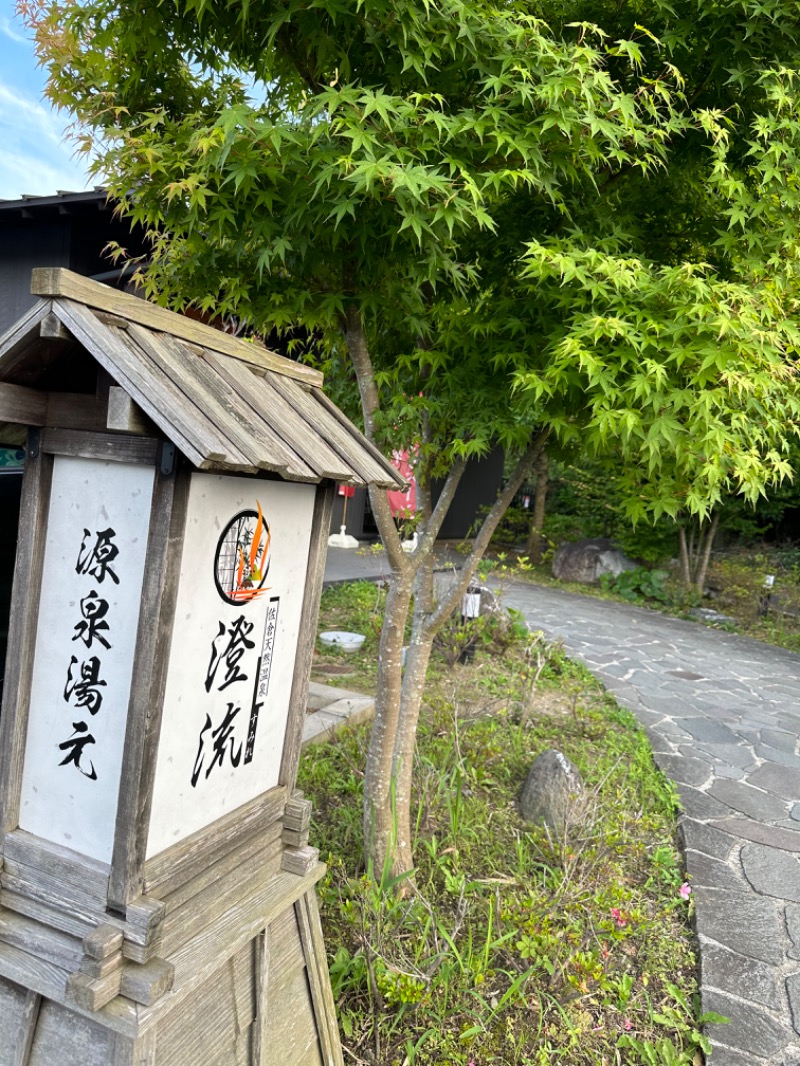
pixel 513 947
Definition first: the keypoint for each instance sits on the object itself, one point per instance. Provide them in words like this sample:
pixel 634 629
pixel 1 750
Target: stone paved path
pixel 723 715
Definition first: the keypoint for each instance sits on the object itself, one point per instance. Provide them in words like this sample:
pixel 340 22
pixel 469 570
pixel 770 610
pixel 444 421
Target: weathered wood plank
pixel 72 410
pixel 92 993
pixel 310 927
pixel 49 981
pixel 204 910
pixel 149 389
pixel 106 446
pixel 299 861
pixel 54 918
pixel 53 329
pixel 166 872
pixel 58 282
pixel 23 405
pixel 22 629
pixel 125 416
pixel 393 478
pixel 261 1026
pixel 296 435
pixel 259 849
pixel 27 1028
pixel 151 659
pixel 89 876
pixel 338 436
pixel 293 1038
pixel 49 944
pixel 187 396
pixel 286 945
pixel 20 334
pixel 103 941
pixel 243 425
pixel 298 701
pixel 199 958
pixel 141 1052
pixel 147 983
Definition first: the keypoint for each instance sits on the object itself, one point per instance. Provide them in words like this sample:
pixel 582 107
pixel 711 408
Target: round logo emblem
pixel 242 558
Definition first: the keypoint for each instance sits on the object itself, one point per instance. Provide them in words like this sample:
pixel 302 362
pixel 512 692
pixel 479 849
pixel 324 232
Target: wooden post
pixel 159 596
pixel 22 629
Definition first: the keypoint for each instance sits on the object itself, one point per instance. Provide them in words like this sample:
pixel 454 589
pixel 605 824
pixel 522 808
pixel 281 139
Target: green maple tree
pixel 498 221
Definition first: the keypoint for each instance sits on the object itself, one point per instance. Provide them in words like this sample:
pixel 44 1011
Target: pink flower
pixel 628 1025
pixel 685 890
pixel 616 914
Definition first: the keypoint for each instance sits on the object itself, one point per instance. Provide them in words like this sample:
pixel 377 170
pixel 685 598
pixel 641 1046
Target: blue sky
pixel 34 157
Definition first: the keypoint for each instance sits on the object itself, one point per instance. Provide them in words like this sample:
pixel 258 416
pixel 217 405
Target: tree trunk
pixel 705 556
pixel 695 553
pixel 686 569
pixel 534 545
pixel 390 761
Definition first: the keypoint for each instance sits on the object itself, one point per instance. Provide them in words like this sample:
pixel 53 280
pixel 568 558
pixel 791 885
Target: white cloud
pixel 34 157
pixel 12 32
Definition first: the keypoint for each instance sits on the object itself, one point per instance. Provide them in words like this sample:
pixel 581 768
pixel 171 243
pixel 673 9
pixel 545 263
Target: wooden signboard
pixel 91 587
pixel 157 901
pixel 231 663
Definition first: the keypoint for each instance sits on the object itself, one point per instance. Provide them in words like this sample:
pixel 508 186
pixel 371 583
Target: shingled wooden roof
pixel 226 403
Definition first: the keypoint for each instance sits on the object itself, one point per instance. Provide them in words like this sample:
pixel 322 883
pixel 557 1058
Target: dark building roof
pixel 226 403
pixel 62 203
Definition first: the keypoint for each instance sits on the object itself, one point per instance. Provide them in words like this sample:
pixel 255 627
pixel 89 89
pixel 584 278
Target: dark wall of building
pixel 22 249
pixel 478 490
pixel 69 231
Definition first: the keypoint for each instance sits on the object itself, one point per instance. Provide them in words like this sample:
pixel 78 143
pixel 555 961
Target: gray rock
pixel 587 560
pixel 706 614
pixel 551 792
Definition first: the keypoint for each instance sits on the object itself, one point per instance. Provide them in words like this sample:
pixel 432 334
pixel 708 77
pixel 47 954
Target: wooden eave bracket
pixel 25 406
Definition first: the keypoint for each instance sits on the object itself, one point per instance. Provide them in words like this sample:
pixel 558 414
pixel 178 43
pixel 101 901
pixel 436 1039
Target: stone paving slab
pixel 723 715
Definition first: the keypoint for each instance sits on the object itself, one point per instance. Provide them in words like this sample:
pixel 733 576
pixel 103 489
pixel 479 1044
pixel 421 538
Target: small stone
pixel 551 791
pixel 706 614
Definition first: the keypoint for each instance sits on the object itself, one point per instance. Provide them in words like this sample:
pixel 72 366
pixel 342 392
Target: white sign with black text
pixel 231 663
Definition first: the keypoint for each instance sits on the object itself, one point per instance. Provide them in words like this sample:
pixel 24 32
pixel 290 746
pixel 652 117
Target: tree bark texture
pixel 387 818
pixel 534 545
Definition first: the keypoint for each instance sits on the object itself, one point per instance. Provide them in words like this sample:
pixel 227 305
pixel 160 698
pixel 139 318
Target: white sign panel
pixel 231 665
pixel 88 617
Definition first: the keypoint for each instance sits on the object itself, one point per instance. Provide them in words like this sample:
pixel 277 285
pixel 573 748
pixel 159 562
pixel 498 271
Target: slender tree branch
pixel 432 527
pixel 356 339
pixel 490 523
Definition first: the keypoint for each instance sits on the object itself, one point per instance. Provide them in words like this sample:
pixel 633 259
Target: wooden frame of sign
pixel 157 901
pixel 133 947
